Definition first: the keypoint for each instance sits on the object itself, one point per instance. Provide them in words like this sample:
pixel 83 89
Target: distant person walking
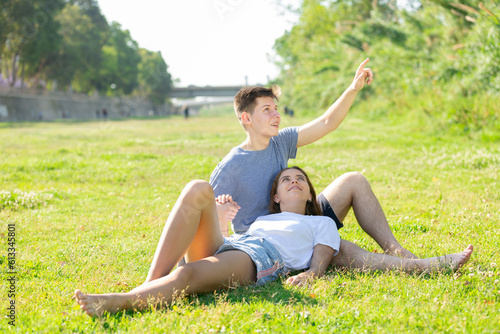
pixel 104 113
pixel 186 111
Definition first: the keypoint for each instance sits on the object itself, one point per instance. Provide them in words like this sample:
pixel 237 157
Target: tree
pixel 120 62
pixel 442 55
pixel 71 43
pixel 3 25
pixel 41 51
pixel 29 34
pixel 94 38
pixel 154 80
pixel 75 54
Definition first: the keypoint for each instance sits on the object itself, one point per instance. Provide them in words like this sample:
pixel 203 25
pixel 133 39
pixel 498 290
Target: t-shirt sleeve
pixel 287 141
pixel 327 234
pixel 222 182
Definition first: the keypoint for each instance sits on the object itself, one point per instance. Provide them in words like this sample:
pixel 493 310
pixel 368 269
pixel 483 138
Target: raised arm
pixel 332 118
pixel 322 256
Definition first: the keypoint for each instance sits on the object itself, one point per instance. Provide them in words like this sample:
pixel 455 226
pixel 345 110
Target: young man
pixel 246 173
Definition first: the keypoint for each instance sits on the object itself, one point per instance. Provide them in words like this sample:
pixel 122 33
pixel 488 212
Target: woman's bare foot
pixel 97 305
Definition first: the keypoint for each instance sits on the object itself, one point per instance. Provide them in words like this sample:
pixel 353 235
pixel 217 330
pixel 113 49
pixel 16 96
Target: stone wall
pixel 32 105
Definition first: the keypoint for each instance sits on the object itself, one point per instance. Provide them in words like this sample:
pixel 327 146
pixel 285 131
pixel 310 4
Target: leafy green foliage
pixel 119 75
pixel 429 48
pixel 29 35
pixel 75 56
pixel 154 80
pixel 70 45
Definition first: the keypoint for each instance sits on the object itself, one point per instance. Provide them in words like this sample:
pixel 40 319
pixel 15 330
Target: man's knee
pixel 353 178
pixel 347 252
pixel 345 186
pixel 352 183
pixel 346 247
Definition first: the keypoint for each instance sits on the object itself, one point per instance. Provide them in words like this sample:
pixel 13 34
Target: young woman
pixel 295 236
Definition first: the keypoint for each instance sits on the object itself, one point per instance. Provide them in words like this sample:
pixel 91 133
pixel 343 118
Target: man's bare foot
pixel 97 305
pixel 450 261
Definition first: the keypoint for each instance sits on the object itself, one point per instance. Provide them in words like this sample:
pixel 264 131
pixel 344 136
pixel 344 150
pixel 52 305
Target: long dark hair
pixel 312 207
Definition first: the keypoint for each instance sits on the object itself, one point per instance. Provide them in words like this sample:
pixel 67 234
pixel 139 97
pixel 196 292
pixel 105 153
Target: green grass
pixel 96 196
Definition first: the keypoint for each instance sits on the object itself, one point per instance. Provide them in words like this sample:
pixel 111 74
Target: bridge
pixel 195 91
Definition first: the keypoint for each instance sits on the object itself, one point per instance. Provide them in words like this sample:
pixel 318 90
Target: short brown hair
pixel 312 207
pixel 245 99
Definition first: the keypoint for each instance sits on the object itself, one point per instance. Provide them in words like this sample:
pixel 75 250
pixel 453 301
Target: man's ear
pixel 245 118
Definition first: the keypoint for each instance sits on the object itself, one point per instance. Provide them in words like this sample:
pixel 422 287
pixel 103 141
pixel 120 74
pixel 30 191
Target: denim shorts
pixel 267 259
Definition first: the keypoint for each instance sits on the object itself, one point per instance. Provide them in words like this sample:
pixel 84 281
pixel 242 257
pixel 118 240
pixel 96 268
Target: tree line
pixel 69 45
pixel 440 57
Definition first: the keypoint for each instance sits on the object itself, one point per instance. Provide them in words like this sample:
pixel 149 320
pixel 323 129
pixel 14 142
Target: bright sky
pixel 206 42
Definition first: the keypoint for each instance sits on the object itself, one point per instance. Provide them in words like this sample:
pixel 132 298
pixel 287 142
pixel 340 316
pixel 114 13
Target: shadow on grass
pixel 277 293
pixel 356 274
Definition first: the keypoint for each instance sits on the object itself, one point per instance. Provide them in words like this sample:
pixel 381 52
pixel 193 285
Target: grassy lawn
pixel 88 201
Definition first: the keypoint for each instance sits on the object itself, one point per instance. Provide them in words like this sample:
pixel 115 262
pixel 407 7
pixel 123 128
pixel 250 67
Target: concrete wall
pixel 32 105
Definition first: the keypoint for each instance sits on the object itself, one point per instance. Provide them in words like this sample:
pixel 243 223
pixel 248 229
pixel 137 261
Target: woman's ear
pixel 276 199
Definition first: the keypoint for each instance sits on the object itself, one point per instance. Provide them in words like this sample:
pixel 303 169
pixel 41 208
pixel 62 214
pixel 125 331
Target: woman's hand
pixel 222 199
pixel 322 256
pixel 301 279
pixel 227 208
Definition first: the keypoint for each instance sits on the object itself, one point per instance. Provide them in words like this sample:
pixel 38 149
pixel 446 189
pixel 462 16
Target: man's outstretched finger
pixel 361 67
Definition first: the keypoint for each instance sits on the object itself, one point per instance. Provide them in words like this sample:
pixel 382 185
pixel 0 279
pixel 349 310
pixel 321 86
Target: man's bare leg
pixel 353 190
pixel 352 256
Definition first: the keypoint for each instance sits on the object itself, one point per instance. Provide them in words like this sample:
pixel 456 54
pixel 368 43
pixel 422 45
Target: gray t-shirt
pixel 248 176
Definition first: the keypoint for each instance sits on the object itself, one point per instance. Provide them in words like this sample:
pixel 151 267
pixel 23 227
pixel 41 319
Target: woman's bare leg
pixel 353 257
pixel 208 274
pixel 192 228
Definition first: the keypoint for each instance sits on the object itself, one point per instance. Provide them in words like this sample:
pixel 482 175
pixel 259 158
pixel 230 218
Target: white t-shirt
pixel 294 236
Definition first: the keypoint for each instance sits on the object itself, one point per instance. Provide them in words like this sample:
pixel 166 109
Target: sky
pixel 207 42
